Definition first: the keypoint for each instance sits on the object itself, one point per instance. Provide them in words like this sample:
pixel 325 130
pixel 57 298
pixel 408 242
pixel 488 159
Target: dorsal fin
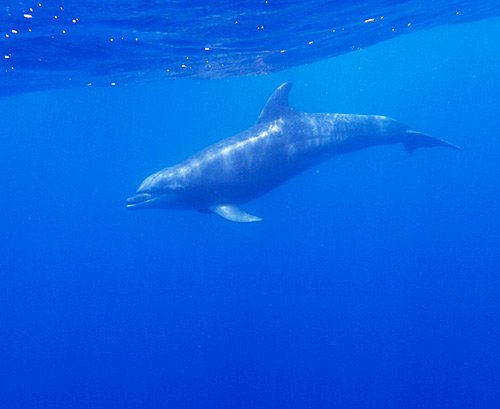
pixel 277 104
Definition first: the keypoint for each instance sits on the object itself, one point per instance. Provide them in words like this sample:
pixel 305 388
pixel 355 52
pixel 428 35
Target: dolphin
pixel 282 143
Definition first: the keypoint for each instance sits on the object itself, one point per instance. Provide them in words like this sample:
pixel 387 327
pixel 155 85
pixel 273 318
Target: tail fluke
pixel 414 140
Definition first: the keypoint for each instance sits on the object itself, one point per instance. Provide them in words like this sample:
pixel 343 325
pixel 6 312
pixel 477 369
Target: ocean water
pixel 46 45
pixel 372 282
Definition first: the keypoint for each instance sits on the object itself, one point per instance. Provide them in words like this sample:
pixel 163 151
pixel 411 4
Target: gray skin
pixel 282 144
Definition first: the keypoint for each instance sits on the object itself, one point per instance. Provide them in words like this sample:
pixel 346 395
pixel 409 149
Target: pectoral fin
pixel 234 214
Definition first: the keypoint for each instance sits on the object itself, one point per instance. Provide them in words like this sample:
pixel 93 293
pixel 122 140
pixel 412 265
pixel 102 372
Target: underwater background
pixel 372 282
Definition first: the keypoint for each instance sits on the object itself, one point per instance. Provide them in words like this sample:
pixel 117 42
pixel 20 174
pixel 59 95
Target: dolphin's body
pixel 280 145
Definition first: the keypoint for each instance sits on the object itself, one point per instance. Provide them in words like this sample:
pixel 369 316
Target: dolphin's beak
pixel 139 200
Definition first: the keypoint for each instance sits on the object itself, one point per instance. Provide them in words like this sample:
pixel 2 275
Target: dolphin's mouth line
pixel 140 200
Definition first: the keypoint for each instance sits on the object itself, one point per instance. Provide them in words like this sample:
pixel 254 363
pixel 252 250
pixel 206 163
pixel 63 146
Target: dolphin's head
pixel 160 190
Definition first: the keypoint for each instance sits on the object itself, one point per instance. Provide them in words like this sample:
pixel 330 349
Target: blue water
pixel 372 283
pixel 47 45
